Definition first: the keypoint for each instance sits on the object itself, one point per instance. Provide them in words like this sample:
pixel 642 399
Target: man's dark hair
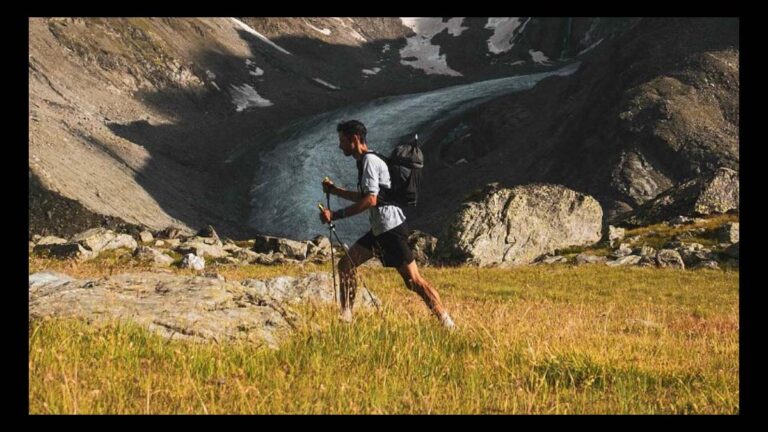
pixel 352 127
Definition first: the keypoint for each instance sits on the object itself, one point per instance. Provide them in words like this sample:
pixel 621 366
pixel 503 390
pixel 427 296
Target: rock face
pixel 717 193
pixel 646 111
pixel 181 307
pixel 499 226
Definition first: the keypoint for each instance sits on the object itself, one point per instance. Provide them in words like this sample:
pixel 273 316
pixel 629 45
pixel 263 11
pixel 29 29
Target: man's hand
pixel 328 185
pixel 325 216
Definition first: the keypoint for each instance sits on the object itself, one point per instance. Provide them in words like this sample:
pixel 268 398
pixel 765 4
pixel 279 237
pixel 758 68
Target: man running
pixel 389 231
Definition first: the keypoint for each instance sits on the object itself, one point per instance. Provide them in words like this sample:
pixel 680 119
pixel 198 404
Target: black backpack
pixel 405 164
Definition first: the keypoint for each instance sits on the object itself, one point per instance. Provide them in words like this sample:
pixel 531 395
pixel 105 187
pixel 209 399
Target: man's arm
pixel 347 195
pixel 363 204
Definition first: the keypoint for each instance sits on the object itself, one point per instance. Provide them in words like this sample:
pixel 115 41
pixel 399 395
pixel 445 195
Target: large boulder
pixel 713 194
pixel 510 226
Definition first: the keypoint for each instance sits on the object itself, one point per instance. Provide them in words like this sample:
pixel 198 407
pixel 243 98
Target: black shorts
pixel 391 247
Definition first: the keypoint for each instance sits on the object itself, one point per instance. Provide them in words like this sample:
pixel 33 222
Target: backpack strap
pixel 381 199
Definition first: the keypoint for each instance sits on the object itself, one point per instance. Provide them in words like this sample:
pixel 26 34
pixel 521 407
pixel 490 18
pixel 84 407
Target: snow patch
pixel 505 31
pixel 373 71
pixel 385 48
pixel 539 57
pixel 517 63
pixel 246 97
pixel 253 69
pixel 250 30
pixel 330 86
pixel 428 56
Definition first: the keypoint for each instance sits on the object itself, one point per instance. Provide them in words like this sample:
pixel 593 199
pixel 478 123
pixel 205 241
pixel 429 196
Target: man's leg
pixel 414 282
pixel 347 280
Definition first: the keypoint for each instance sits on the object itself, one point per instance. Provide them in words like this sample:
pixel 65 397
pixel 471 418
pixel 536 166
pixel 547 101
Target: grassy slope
pixel 535 339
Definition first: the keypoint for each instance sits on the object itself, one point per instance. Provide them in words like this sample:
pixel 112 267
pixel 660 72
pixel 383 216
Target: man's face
pixel 346 144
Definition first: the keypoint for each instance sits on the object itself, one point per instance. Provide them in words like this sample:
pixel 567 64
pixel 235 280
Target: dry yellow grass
pixel 534 339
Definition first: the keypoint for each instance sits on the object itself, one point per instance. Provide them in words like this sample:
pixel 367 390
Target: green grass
pixel 534 339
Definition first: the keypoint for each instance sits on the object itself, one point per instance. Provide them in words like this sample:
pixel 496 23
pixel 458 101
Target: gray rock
pixel 625 261
pixel 711 264
pixel 289 248
pixel 728 233
pixel 647 261
pixel 720 194
pixel 669 258
pixel 50 278
pixel 36 238
pixel 622 251
pixel 246 255
pixel 146 236
pixel 584 258
pixel 146 253
pixel 615 235
pixel 711 194
pixel 98 240
pixel 319 249
pixel 159 243
pixel 645 251
pixel 169 233
pixel 693 258
pixel 201 249
pixel 193 261
pixel 506 227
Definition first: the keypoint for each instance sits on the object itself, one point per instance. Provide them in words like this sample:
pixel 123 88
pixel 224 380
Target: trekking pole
pixel 374 299
pixel 330 238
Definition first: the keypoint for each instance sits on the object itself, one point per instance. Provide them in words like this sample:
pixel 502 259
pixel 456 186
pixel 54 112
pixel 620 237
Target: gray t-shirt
pixel 375 176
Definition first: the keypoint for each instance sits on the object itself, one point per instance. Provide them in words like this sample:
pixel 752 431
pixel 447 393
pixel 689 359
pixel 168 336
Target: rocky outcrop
pixel 184 307
pixel 500 226
pixel 717 193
